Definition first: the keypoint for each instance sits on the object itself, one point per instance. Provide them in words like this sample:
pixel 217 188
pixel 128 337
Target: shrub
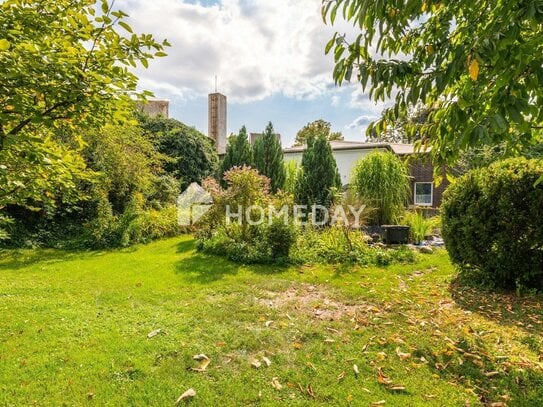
pixel 280 237
pixel 420 225
pixel 492 224
pixel 381 180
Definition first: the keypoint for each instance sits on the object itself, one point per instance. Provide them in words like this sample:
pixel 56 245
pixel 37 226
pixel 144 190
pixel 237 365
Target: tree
pixel 404 129
pixel 238 152
pixel 475 66
pixel 315 129
pixel 192 156
pixel 62 64
pixel 268 158
pixel 318 177
pixel 381 181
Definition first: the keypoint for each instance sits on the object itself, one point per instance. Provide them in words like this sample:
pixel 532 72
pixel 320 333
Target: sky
pixel 268 57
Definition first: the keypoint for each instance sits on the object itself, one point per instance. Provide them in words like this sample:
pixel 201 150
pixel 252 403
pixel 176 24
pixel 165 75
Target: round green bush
pixel 493 224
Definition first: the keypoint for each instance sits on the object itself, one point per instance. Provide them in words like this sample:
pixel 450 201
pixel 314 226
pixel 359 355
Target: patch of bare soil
pixel 315 302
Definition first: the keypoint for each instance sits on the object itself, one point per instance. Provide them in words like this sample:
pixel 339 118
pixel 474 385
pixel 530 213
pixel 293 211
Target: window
pixel 424 193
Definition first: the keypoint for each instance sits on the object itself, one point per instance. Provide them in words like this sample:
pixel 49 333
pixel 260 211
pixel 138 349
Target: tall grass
pixel 381 180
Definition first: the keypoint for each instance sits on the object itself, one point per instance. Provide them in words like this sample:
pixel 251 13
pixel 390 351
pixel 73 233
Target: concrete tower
pixel 217 120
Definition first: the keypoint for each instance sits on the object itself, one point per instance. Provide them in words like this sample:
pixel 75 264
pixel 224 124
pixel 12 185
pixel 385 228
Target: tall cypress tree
pixel 238 152
pixel 268 158
pixel 319 174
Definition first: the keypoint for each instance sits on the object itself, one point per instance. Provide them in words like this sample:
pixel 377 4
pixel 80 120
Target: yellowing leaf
pixel 4 44
pixel 474 70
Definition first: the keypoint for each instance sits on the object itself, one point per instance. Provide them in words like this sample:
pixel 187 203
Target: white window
pixel 424 193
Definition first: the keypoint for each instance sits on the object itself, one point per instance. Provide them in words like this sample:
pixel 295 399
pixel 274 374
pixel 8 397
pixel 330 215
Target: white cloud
pixel 335 101
pixel 257 48
pixel 361 122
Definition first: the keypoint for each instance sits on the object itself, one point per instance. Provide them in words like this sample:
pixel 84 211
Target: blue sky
pixel 269 59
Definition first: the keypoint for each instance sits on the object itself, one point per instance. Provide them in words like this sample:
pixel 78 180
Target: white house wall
pixel 345 160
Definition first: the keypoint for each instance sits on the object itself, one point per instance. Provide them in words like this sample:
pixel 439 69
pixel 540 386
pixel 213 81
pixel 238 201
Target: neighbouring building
pixel 155 108
pixel 217 120
pixel 347 153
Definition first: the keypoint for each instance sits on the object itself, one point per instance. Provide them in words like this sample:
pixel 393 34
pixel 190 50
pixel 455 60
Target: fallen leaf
pixel 186 395
pixel 256 364
pixel 396 387
pixel 378 403
pixel 154 333
pixel 328 340
pixel 275 384
pixel 203 366
pixel 491 374
pixel 341 376
pixel 201 356
pixel 402 355
pixel 381 378
pixel 310 391
pixel 356 371
pixel 268 323
pixel 266 361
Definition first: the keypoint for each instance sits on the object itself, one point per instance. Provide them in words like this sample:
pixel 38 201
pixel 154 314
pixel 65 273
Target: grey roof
pixel 396 148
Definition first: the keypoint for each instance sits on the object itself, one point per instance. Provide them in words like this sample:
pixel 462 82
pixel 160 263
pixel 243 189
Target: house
pixel 347 153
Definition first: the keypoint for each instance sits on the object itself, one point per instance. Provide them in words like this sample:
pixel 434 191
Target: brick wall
pixel 421 170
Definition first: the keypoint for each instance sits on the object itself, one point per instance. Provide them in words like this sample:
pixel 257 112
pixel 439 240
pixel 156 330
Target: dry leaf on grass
pixel 378 403
pixel 402 355
pixel 186 395
pixel 356 371
pixel 203 366
pixel 381 378
pixel 154 333
pixel 275 384
pixel 266 361
pixel 256 364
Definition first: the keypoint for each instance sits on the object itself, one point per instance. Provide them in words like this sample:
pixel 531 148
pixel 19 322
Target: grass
pixel 74 332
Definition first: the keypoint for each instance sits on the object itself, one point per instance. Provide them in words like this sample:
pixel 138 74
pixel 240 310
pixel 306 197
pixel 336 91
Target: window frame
pixel 431 193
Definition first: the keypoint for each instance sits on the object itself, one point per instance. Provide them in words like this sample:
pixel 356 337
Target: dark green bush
pixel 280 237
pixel 493 224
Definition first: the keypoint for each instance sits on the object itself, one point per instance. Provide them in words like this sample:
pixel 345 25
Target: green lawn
pixel 74 326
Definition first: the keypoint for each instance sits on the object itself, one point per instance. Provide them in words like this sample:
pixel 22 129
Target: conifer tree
pixel 319 175
pixel 268 158
pixel 238 152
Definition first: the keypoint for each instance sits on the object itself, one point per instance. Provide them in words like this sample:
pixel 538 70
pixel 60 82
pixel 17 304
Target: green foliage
pixel 338 245
pixel 318 178
pixel 492 224
pixel 381 180
pixel 192 154
pixel 268 158
pixel 318 128
pixel 126 161
pixel 292 171
pixel 420 226
pixel 238 152
pixel 475 67
pixel 62 66
pixel 41 173
pixel 280 236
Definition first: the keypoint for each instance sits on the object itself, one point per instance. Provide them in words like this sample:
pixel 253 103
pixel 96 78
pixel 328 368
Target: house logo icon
pixel 192 204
